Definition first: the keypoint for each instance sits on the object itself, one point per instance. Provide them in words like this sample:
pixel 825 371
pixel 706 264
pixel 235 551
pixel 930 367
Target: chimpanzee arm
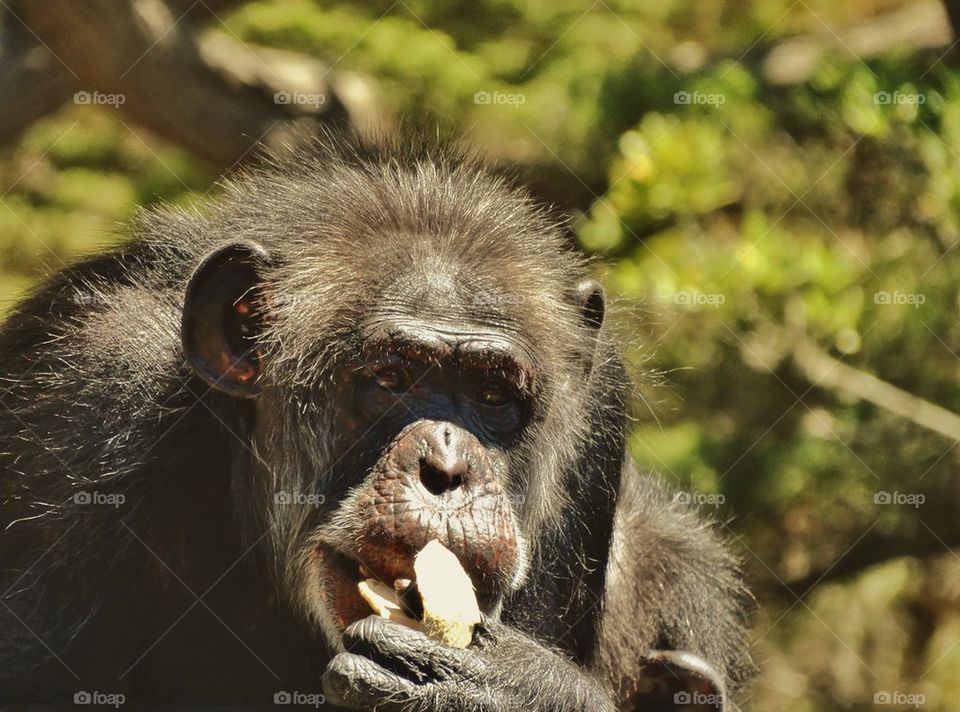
pixel 673 630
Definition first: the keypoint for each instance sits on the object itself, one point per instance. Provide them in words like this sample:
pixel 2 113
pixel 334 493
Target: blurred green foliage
pixel 737 220
pixel 819 213
pixel 70 186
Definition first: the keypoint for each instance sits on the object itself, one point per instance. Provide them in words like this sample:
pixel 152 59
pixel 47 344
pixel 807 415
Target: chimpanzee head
pixel 411 343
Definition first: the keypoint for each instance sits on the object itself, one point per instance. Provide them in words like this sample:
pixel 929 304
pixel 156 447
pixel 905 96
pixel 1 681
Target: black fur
pixel 187 586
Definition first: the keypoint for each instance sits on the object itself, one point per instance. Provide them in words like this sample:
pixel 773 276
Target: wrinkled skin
pixel 391 667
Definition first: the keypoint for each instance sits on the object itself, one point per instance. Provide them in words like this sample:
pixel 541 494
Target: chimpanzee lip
pixel 339 574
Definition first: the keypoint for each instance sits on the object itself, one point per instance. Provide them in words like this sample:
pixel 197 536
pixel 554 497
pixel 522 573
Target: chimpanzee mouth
pixel 340 575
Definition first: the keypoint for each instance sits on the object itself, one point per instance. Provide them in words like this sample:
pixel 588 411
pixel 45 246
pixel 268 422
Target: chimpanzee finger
pixel 409 652
pixel 358 683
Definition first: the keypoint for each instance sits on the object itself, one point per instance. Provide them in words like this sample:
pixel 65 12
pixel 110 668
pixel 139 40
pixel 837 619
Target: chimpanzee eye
pixel 392 378
pixel 495 392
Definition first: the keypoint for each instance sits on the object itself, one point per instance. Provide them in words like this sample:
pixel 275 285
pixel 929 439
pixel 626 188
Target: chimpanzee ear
pixel 589 296
pixel 674 679
pixel 220 321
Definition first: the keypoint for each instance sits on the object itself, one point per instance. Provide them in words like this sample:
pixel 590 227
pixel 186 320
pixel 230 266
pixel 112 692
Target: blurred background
pixel 772 192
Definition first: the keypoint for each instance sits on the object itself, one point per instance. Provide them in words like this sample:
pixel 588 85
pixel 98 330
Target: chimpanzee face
pixel 432 413
pixel 401 393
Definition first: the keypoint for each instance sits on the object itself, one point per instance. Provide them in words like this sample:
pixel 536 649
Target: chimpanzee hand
pixel 392 668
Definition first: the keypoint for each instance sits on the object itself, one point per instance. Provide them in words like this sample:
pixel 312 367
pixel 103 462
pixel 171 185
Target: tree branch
pixel 919 25
pixel 823 370
pixel 33 83
pixel 149 55
pixel 953 13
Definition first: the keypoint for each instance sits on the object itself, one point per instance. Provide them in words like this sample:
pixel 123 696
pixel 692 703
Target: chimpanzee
pixel 210 435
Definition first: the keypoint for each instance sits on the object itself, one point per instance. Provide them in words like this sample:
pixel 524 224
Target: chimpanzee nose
pixel 443 466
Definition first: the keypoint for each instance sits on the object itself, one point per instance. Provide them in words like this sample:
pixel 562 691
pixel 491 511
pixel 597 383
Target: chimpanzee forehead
pixel 447 310
pixel 439 339
pixel 449 290
pixel 433 302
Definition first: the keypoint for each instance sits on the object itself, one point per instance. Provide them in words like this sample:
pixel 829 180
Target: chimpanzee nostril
pixel 438 480
pixel 444 452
